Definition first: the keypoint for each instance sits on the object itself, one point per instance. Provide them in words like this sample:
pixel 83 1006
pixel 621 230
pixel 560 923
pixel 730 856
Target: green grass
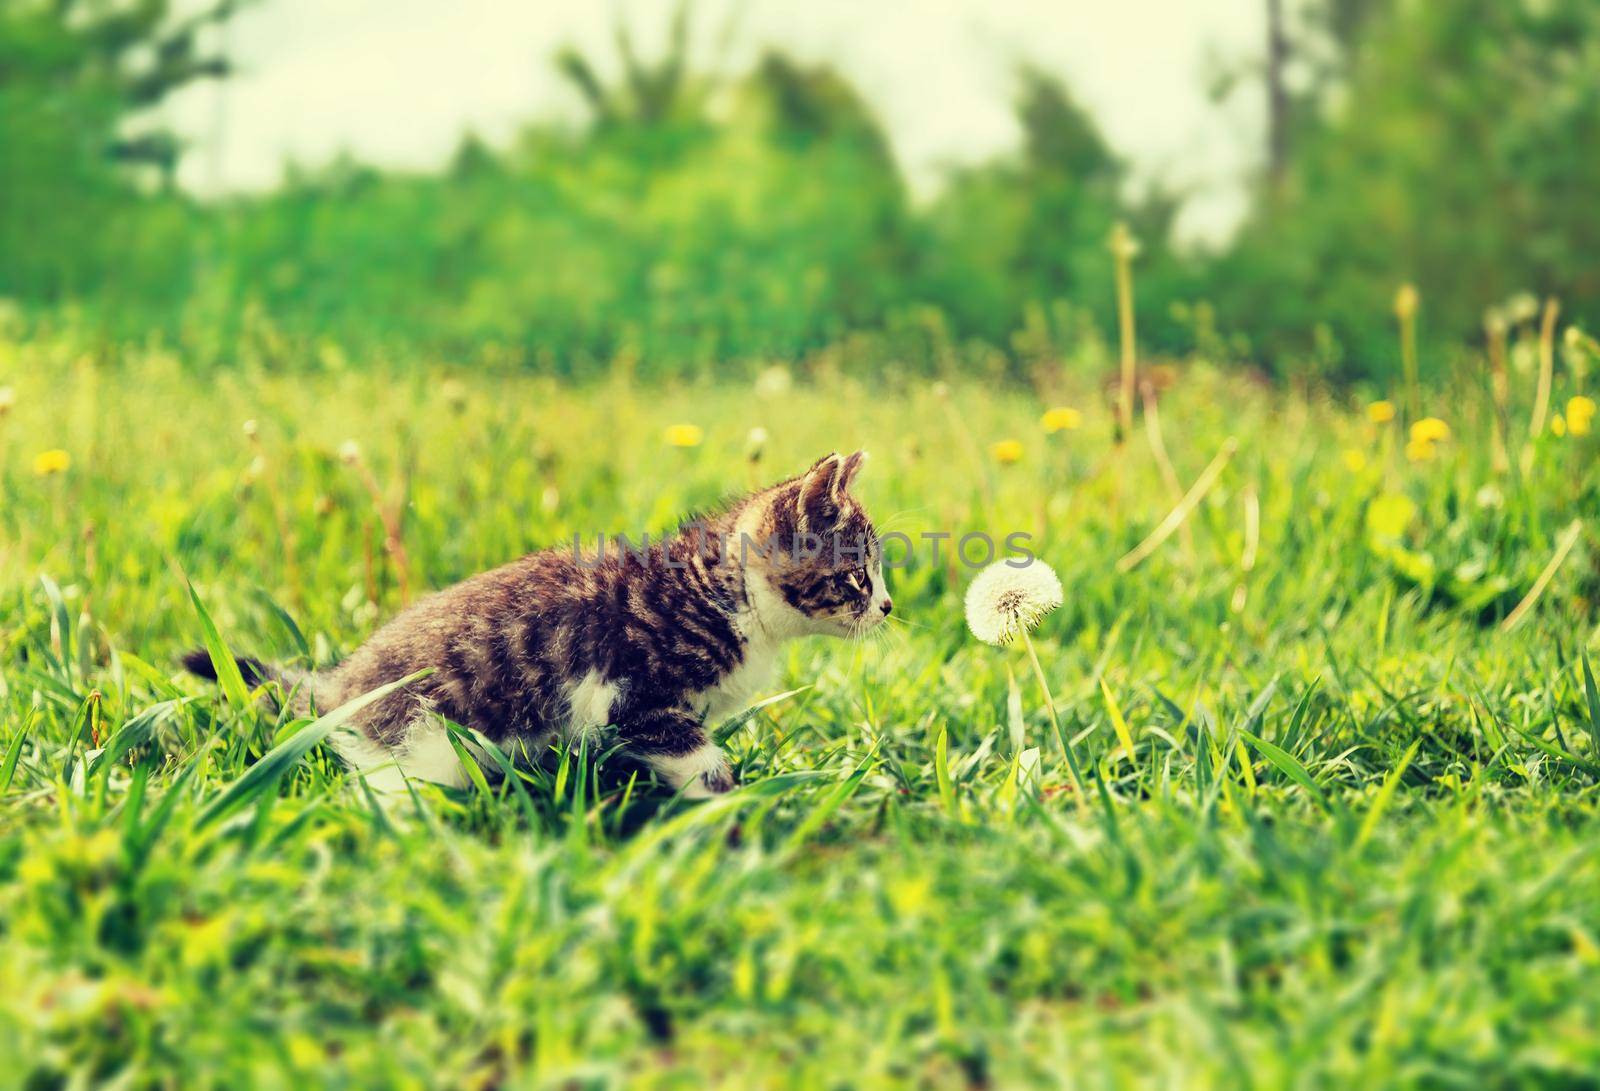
pixel 1353 843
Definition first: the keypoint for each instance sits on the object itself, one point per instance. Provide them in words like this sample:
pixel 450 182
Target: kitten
pixel 655 642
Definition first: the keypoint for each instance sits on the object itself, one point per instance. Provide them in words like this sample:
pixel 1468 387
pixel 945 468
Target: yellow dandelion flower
pixel 1006 451
pixel 1062 418
pixel 1381 411
pixel 1420 450
pixel 1354 460
pixel 1558 425
pixel 1430 430
pixel 1580 414
pixel 53 461
pixel 684 435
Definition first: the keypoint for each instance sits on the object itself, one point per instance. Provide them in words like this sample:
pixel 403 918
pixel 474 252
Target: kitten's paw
pixel 699 774
pixel 713 782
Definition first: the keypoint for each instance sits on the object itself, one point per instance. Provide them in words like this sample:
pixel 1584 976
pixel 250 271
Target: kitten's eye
pixel 853 580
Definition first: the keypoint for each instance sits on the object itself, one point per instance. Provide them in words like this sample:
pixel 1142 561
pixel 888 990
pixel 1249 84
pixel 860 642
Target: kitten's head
pixel 820 553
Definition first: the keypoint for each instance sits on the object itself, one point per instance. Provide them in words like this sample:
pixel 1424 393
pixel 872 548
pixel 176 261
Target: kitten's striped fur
pixel 657 642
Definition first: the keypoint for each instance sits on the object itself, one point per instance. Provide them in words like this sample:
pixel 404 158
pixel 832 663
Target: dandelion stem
pixel 1569 538
pixel 1122 249
pixel 1408 361
pixel 1500 387
pixel 1547 363
pixel 1158 447
pixel 1055 721
pixel 1202 485
pixel 958 425
pixel 1252 543
pixel 393 533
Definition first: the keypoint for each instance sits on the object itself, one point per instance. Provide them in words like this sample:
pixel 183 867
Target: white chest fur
pixel 741 687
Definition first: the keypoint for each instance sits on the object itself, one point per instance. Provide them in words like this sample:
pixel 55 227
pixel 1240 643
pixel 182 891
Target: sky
pixel 396 82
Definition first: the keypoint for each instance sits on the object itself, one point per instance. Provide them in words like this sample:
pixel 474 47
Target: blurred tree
pixel 1020 233
pixel 1451 147
pixel 648 93
pixel 77 79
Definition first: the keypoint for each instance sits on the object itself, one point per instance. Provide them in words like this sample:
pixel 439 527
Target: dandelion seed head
pixel 1405 301
pixel 1521 307
pixel 1123 245
pixel 774 382
pixel 1007 599
pixel 8 398
pixel 350 452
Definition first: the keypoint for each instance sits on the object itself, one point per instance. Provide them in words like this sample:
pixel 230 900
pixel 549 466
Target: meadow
pixel 1339 744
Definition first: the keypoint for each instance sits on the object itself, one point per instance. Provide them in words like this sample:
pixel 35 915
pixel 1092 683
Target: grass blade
pixel 281 758
pixel 1593 699
pixel 737 721
pixel 1118 723
pixel 1288 765
pixel 941 772
pixel 1369 824
pixel 8 768
pixel 222 660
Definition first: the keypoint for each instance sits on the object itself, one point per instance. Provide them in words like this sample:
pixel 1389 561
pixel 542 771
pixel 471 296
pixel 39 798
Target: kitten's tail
pixel 198 662
pixel 295 683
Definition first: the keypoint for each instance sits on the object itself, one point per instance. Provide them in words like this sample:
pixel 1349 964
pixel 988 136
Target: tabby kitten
pixel 655 642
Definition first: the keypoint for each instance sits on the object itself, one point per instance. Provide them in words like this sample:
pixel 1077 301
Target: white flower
pixel 251 429
pixel 349 452
pixel 8 398
pixel 1008 599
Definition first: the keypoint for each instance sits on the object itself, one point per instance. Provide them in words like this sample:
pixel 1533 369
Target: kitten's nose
pixel 886 605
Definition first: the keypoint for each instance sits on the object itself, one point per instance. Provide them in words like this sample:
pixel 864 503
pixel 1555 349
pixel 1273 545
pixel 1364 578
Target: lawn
pixel 1341 763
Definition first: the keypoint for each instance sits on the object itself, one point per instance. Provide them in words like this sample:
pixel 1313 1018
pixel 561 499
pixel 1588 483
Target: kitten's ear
pixel 847 472
pixel 819 492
